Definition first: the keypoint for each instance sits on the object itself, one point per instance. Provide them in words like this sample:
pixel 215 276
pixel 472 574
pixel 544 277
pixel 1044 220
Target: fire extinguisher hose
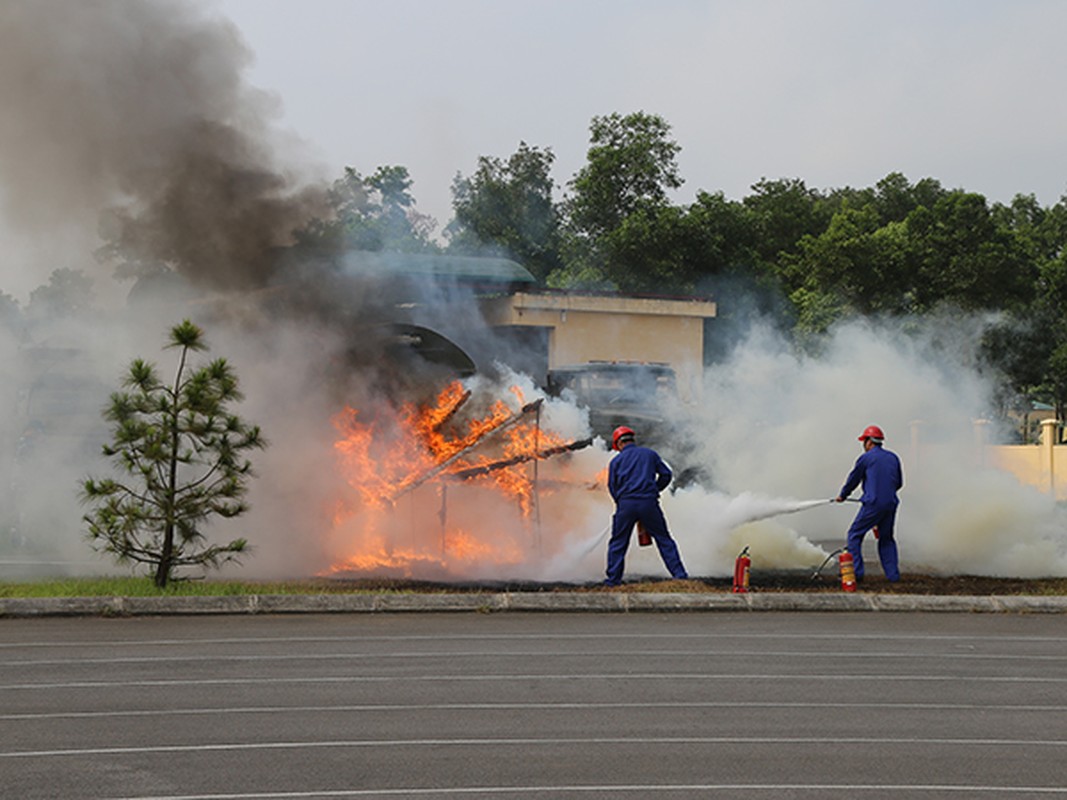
pixel 830 557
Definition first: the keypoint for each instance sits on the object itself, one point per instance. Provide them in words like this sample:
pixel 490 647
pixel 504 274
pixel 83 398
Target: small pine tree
pixel 180 452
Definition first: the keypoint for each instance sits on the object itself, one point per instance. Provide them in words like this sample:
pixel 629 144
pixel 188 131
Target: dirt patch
pixel 917 584
pixel 792 581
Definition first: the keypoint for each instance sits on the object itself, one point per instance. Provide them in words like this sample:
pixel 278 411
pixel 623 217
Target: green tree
pixel 181 454
pixel 402 227
pixel 965 258
pixel 1016 349
pixel 724 236
pixel 863 266
pixel 10 312
pixel 894 197
pixel 663 248
pixel 785 211
pixel 631 164
pixel 508 206
pixel 69 292
pixel 374 213
pixel 618 202
pixel 1056 377
pixel 647 251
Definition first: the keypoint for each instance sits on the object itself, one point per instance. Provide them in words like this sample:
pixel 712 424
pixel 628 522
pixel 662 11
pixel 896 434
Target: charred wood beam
pixel 452 410
pixel 558 485
pixel 413 482
pixel 484 469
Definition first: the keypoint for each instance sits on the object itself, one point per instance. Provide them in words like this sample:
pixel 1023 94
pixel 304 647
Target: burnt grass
pixel 777 581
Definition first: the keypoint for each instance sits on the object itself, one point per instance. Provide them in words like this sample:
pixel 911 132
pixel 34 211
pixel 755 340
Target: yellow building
pixel 537 331
pixel 583 328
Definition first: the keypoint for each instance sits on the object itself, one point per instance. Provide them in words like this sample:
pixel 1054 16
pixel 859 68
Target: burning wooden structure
pixel 439 444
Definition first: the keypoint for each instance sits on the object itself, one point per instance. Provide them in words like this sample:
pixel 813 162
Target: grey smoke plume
pixel 141 108
pixel 129 123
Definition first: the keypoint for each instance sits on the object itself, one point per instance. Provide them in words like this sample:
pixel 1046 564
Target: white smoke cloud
pixel 786 425
pixel 776 431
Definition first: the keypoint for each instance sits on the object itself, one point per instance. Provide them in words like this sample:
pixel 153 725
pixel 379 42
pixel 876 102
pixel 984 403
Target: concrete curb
pixel 597 602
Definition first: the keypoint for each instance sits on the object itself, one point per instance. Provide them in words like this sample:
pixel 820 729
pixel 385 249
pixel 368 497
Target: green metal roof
pixel 466 269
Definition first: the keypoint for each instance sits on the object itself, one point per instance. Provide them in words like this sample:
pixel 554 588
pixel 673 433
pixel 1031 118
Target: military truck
pixel 640 394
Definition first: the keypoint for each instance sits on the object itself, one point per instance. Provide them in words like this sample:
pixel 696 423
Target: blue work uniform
pixel 636 476
pixel 879 471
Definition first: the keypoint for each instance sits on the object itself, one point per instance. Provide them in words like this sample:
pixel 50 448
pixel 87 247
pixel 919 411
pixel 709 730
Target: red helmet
pixel 620 432
pixel 872 432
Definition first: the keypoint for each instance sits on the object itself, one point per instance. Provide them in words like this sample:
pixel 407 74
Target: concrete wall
pixel 585 328
pixel 1042 465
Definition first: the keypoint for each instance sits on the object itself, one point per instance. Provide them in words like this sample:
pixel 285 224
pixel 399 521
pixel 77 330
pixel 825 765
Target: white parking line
pixel 477 654
pixel 554 678
pixel 774 789
pixel 629 637
pixel 879 742
pixel 416 707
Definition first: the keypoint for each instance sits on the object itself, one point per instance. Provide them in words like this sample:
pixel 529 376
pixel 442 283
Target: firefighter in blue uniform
pixel 879 471
pixel 636 476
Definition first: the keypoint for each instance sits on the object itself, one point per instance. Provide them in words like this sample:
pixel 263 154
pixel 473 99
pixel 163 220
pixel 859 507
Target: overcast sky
pixel 834 92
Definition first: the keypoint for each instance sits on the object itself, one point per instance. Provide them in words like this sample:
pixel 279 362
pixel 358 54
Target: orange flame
pixel 387 458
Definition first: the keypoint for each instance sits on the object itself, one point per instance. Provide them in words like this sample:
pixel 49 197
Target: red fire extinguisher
pixel 741 571
pixel 848 572
pixel 644 538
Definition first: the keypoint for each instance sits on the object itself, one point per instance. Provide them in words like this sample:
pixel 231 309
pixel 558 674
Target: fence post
pixel 1049 429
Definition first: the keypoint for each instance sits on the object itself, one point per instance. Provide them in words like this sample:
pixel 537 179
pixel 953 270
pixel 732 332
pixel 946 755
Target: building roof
pixel 461 269
pixel 525 301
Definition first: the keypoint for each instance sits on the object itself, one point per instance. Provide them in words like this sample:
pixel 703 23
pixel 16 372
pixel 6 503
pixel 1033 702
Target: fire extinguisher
pixel 644 538
pixel 741 570
pixel 848 572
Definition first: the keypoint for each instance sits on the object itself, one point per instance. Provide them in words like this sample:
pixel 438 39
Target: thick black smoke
pixel 140 109
pixel 127 127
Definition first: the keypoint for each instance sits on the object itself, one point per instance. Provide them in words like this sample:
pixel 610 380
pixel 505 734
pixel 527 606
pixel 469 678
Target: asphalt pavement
pixel 559 706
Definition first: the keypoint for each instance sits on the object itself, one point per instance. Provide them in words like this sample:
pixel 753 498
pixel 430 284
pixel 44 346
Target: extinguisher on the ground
pixel 644 538
pixel 848 571
pixel 741 571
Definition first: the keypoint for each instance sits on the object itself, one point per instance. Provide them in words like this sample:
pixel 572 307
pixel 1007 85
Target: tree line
pixel 806 257
pixel 803 257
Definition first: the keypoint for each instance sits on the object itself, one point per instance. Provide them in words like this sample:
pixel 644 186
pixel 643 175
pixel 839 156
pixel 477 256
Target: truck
pixel 640 394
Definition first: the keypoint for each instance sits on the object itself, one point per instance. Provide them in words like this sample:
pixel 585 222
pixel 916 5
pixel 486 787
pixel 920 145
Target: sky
pixel 834 92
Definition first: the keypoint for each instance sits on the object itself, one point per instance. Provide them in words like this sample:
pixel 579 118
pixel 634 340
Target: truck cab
pixel 639 394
